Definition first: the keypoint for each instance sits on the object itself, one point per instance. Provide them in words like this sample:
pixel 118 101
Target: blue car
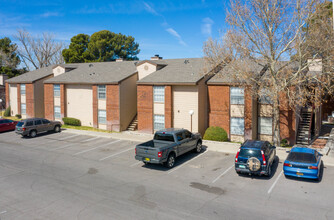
pixel 303 162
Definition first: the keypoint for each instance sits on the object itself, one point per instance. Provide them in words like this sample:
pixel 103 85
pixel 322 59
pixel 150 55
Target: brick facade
pixel 219 107
pixel 95 106
pixel 113 108
pixel 62 101
pixel 248 113
pixel 30 101
pixel 18 86
pixel 168 107
pixel 287 121
pixel 7 95
pixel 49 101
pixel 145 108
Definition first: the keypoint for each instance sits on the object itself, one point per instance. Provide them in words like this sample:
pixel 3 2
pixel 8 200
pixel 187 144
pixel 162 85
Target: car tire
pixel 198 148
pixel 32 133
pixel 57 129
pixel 269 171
pixel 170 161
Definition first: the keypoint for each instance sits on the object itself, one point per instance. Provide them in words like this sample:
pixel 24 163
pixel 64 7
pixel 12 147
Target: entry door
pixel 185 98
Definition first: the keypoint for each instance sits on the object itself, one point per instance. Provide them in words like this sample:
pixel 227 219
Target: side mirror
pixel 287 151
pixel 273 147
pixel 321 155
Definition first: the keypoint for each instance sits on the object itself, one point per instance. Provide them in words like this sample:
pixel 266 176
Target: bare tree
pixel 39 52
pixel 269 33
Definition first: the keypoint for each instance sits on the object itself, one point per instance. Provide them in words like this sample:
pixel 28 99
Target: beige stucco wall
pixel 265 110
pixel 13 98
pixel 185 98
pixel 57 101
pixel 58 70
pixel 102 104
pixel 3 78
pixel 237 138
pixel 264 137
pixel 79 103
pixel 103 126
pixel 128 101
pixel 203 106
pixel 145 69
pixel 238 111
pixel 159 108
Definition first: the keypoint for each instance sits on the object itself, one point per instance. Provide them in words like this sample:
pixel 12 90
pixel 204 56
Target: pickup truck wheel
pixel 32 133
pixel 198 147
pixel 57 129
pixel 170 161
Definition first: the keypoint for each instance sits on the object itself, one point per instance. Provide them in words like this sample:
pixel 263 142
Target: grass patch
pixel 86 128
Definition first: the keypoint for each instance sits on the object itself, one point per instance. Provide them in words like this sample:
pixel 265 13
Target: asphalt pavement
pixel 73 175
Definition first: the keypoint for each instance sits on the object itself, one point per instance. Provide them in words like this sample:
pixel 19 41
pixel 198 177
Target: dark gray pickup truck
pixel 167 145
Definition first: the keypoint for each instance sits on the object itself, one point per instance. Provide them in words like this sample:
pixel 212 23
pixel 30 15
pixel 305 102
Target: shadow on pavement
pixel 179 160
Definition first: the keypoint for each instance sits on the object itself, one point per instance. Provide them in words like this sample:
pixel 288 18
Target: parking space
pixel 209 174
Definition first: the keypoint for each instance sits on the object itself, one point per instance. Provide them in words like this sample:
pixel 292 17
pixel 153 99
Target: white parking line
pixel 135 164
pixel 68 145
pixel 169 172
pixel 3 212
pixel 113 155
pixel 272 187
pixel 61 139
pixel 94 148
pixel 90 139
pixel 228 169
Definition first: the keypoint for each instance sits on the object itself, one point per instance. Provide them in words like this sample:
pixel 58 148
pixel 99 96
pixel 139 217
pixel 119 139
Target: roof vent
pixel 91 65
pixel 186 61
pixel 119 60
pixel 156 57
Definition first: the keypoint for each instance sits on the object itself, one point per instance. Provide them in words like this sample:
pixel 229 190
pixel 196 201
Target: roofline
pixel 149 61
pixel 169 83
pixel 128 77
pixel 27 81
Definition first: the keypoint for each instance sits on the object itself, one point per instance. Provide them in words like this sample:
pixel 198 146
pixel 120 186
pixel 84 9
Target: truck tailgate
pixel 143 151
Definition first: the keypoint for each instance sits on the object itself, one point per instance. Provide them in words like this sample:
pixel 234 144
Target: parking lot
pixel 73 176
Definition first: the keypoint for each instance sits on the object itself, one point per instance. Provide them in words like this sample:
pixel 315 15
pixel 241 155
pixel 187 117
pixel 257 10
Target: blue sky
pixel 170 28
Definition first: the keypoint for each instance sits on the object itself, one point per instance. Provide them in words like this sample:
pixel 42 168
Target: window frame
pixel 259 127
pixel 156 126
pixel 159 94
pixel 56 113
pixel 21 90
pixel 104 118
pixel 56 93
pixel 101 92
pixel 25 109
pixel 243 130
pixel 233 96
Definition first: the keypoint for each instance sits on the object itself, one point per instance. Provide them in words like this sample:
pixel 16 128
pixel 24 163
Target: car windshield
pixel 164 137
pixel 251 144
pixel 301 157
pixel 20 124
pixel 249 153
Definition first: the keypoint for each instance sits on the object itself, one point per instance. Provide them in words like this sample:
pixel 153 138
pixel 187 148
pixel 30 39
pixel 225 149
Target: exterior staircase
pixel 304 127
pixel 133 125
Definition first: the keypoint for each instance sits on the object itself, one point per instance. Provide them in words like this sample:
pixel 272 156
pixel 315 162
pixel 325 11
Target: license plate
pixel 242 166
pixel 18 129
pixel 300 174
pixel 147 159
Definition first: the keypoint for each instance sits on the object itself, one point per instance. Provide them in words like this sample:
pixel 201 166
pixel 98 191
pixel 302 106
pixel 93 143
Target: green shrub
pixel 72 121
pixel 18 116
pixel 7 112
pixel 284 143
pixel 215 134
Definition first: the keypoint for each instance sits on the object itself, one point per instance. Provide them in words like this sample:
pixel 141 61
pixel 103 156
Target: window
pixel 265 125
pixel 164 137
pixel 159 93
pixel 38 122
pixel 101 92
pixel 237 95
pixel 29 123
pixel 23 89
pixel 45 121
pixel 237 126
pixel 187 134
pixel 159 122
pixel 264 97
pixel 57 112
pixel 102 117
pixel 179 136
pixel 56 90
pixel 23 109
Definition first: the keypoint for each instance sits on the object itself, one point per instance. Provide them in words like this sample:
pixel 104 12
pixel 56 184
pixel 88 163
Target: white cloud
pixel 50 14
pixel 150 9
pixel 176 35
pixel 207 26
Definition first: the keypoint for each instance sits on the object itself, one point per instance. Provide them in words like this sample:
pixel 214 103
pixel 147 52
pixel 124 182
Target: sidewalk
pixel 223 147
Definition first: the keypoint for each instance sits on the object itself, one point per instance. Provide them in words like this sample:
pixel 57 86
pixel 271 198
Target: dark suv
pixel 255 157
pixel 33 126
